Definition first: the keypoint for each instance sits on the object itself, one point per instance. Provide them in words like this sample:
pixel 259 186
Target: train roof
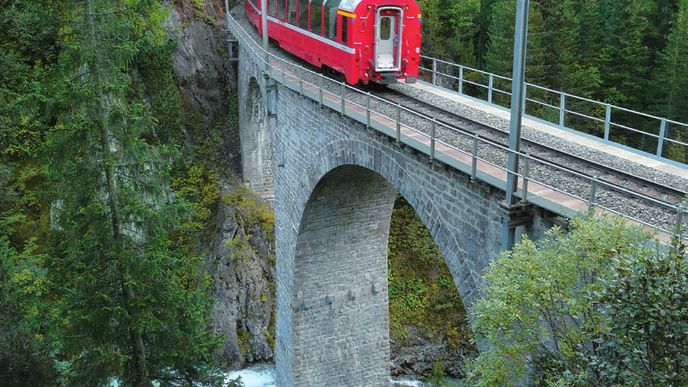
pixel 349 5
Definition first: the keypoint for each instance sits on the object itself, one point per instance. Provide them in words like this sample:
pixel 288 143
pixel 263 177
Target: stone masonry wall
pixel 331 234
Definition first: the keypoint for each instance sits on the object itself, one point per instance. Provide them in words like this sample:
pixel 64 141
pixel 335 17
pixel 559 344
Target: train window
pixel 303 14
pixel 385 28
pixel 345 24
pixel 316 16
pixel 272 7
pixel 331 19
pixel 282 9
pixel 292 12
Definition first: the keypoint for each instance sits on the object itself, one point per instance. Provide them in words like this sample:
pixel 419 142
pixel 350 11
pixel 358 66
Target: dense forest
pixel 631 53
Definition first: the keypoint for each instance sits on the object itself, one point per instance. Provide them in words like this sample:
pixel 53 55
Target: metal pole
pixel 517 90
pixel 264 24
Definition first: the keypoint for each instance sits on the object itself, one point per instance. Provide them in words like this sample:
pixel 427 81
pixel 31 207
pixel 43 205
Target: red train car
pixel 364 40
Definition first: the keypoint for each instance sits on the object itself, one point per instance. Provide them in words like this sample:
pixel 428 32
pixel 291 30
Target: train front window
pixel 385 28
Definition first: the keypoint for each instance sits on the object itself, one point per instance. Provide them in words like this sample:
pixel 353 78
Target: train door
pixel 388 39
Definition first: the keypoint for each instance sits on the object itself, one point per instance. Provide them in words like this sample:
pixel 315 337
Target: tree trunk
pixel 102 115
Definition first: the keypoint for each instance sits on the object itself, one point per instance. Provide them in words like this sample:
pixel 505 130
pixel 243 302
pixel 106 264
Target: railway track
pixel 565 161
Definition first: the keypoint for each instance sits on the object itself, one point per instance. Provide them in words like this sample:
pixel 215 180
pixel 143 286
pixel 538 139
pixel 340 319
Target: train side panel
pixel 353 52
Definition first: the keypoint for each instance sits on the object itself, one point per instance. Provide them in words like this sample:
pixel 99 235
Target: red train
pixel 364 40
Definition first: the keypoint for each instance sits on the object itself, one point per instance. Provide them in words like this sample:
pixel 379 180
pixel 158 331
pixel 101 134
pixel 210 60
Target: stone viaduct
pixel 333 182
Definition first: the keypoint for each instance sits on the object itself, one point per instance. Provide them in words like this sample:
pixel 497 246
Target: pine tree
pixel 450 29
pixel 499 56
pixel 131 306
pixel 673 72
pixel 673 81
pixel 625 61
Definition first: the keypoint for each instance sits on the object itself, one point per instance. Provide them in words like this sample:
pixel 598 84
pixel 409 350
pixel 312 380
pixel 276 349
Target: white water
pixel 263 375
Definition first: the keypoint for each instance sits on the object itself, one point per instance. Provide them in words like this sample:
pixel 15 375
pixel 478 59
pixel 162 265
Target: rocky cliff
pixel 239 251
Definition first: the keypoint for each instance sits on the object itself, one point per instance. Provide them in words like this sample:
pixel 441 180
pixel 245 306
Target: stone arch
pixel 337 314
pixel 443 226
pixel 341 319
pixel 256 142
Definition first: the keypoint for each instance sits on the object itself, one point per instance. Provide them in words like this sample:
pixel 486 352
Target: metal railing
pixel 658 136
pixel 358 105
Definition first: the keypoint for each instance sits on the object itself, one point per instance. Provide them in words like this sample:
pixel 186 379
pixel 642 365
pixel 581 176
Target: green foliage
pixel 644 337
pixel 591 307
pixel 421 291
pixel 130 305
pixel 437 375
pixel 26 349
pixel 252 213
pixel 450 28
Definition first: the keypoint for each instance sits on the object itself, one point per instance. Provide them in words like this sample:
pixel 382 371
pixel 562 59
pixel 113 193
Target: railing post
pixel 460 79
pixel 320 90
pixel 593 192
pixel 300 87
pixel 433 128
pixel 562 108
pixel 607 121
pixel 368 110
pixel 680 211
pixel 434 72
pixel 662 135
pixel 343 94
pixel 399 122
pixel 474 155
pixel 525 98
pixel 526 172
pixel 490 83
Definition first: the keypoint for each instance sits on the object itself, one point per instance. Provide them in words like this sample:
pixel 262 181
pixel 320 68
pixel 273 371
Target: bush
pixel 598 305
pixel 644 339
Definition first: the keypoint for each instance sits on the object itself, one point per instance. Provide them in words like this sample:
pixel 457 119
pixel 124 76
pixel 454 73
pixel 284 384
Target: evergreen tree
pixel 499 56
pixel 672 80
pixel 625 62
pixel 450 29
pixel 673 72
pixel 131 306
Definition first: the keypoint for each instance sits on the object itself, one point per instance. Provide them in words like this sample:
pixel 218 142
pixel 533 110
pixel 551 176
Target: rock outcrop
pixel 243 290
